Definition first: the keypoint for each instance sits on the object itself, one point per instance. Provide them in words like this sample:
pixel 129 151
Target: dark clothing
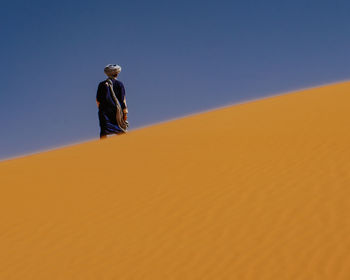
pixel 107 108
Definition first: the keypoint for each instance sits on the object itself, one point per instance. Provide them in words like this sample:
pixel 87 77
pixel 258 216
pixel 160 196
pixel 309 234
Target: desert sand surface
pixel 259 190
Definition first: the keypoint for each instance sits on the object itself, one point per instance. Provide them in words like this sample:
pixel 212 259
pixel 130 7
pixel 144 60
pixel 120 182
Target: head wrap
pixel 112 70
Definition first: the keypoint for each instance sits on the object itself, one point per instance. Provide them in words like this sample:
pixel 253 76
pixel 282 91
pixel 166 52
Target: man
pixel 111 103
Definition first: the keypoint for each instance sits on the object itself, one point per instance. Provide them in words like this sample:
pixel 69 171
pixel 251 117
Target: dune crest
pixel 254 191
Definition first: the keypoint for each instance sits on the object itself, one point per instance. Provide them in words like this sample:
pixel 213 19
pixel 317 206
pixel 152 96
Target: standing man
pixel 111 103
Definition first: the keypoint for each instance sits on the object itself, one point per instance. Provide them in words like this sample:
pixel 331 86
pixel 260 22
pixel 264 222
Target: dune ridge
pixel 253 191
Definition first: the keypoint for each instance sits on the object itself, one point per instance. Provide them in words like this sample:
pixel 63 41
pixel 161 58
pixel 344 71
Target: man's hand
pixel 125 113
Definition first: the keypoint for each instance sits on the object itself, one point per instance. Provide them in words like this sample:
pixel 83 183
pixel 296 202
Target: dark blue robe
pixel 107 108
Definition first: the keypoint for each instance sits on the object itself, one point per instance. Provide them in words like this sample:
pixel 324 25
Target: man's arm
pixel 98 95
pixel 123 104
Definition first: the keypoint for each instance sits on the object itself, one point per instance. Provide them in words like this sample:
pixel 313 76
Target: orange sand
pixel 254 191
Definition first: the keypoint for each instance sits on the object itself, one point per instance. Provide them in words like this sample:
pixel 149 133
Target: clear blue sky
pixel 178 57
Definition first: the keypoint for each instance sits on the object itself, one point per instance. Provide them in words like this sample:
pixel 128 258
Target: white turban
pixel 112 70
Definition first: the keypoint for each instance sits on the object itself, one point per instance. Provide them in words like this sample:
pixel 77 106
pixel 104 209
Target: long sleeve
pixel 100 92
pixel 123 98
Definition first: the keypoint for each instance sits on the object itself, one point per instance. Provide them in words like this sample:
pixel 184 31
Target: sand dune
pixel 253 191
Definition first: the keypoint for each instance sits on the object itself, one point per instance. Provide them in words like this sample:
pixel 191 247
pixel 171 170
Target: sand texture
pixel 254 191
